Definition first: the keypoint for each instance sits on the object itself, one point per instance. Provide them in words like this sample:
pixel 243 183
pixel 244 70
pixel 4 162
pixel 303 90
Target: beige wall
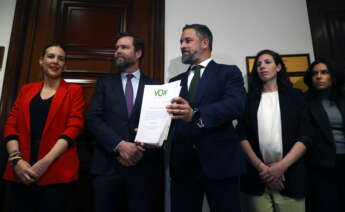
pixel 240 28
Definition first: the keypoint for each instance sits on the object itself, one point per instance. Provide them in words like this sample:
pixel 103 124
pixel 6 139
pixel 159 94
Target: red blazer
pixel 65 117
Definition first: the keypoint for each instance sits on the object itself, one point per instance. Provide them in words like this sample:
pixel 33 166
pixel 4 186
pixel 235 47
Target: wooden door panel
pixel 327 23
pixel 87 31
pixel 336 28
pixel 83 24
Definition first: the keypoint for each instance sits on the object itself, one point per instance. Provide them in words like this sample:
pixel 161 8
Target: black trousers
pixel 187 194
pixel 35 198
pixel 327 188
pixel 134 188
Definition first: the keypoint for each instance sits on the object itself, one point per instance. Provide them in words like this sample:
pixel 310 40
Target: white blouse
pixel 269 127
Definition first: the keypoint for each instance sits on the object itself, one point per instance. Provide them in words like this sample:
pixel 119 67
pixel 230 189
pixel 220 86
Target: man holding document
pixel 206 155
pixel 122 169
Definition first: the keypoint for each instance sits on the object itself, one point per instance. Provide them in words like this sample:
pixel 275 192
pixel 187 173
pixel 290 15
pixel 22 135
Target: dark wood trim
pixel 326 19
pixel 159 41
pixel 10 82
pixel 15 54
pixel 2 50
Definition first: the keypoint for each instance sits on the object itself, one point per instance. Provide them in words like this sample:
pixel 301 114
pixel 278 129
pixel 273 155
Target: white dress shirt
pixel 269 127
pixel 135 82
pixel 191 72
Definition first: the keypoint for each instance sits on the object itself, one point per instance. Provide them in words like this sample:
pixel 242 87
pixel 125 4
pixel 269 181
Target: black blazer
pixel 220 98
pixel 108 121
pixel 323 151
pixel 295 127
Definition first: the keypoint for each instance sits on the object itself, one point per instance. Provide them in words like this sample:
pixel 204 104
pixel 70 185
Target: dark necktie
pixel 194 83
pixel 129 94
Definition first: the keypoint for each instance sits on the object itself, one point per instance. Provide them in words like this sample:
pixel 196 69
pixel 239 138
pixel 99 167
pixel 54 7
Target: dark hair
pixel 336 76
pixel 137 42
pixel 44 51
pixel 283 82
pixel 202 32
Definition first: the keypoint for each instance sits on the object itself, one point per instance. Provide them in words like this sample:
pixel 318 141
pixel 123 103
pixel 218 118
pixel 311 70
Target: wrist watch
pixel 195 115
pixel 196 118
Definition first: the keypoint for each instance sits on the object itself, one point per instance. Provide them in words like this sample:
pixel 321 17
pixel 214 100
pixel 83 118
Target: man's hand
pixel 123 161
pixel 130 152
pixel 180 109
pixel 25 173
pixel 144 146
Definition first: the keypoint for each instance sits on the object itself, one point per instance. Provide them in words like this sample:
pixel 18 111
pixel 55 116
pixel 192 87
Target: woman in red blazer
pixel 44 122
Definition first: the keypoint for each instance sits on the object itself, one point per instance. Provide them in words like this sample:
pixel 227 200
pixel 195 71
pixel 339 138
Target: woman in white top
pixel 275 133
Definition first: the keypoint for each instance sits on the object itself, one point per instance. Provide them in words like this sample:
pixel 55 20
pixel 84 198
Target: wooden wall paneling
pixel 83 24
pixel 327 23
pixel 158 37
pixel 42 35
pixel 2 50
pixel 11 76
pixel 87 31
pixel 336 31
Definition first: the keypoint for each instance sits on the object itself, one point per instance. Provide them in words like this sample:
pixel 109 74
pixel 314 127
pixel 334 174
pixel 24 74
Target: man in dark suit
pixel 206 155
pixel 122 169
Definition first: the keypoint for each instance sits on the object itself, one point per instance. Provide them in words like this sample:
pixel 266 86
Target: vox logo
pixel 161 92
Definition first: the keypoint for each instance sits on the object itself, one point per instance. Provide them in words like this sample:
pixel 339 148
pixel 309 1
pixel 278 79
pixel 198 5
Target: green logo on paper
pixel 161 92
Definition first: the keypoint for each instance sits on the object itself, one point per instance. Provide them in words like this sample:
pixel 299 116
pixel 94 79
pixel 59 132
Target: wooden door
pixel 327 23
pixel 87 29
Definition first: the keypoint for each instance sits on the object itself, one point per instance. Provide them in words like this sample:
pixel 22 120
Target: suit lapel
pixel 118 98
pixel 139 97
pixel 321 118
pixel 254 105
pixel 341 106
pixel 206 80
pixel 57 102
pixel 29 96
pixel 184 84
pixel 284 105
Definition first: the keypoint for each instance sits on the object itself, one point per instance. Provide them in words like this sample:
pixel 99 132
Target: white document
pixel 154 119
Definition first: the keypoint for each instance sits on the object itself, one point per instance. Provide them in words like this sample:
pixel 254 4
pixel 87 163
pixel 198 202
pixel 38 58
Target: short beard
pixel 190 58
pixel 124 64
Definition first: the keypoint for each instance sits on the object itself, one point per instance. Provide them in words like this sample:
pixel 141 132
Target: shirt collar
pixel 136 74
pixel 204 63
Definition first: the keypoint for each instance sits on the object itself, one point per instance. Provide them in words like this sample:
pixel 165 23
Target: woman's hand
pixel 264 173
pixel 277 169
pixel 25 173
pixel 274 172
pixel 41 166
pixel 276 185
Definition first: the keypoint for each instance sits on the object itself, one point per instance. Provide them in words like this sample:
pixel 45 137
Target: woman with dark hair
pixel 275 136
pixel 327 159
pixel 40 135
